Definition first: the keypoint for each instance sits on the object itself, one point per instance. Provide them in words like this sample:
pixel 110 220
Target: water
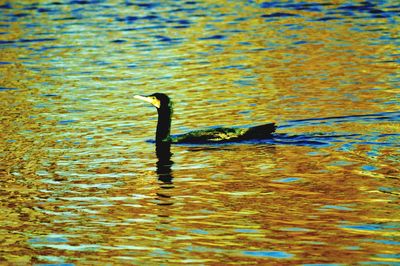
pixel 81 182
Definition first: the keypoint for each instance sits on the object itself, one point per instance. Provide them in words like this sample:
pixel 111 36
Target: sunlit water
pixel 81 183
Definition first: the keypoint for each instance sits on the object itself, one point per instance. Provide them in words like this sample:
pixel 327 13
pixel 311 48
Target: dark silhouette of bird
pixel 214 135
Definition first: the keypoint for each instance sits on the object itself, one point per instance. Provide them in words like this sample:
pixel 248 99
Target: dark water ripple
pixel 360 10
pixel 384 116
pixel 322 139
pixel 181 16
pixel 7 89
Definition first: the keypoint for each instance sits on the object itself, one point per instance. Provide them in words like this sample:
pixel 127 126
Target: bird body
pixel 214 135
pixel 225 134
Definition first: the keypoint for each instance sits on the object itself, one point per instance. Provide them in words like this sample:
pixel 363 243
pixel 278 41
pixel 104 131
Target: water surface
pixel 81 180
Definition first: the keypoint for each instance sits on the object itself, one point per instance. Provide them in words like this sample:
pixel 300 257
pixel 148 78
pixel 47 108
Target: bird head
pixel 158 100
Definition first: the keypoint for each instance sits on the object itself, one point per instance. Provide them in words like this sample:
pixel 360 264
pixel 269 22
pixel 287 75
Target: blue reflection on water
pixel 65 122
pixel 368 168
pixel 287 180
pixel 55 264
pixel 336 207
pixel 295 229
pixel 7 89
pixel 199 231
pixel 389 256
pixel 247 231
pixel 323 264
pixel 384 241
pixel 270 254
pixel 373 227
pixel 48 239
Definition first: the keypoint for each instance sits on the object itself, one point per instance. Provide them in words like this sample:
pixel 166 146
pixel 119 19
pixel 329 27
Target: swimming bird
pixel 214 135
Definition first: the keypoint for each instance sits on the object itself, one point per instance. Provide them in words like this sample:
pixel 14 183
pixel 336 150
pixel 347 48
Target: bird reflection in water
pixel 164 172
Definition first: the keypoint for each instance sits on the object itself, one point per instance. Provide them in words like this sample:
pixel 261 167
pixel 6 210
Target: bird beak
pixel 153 100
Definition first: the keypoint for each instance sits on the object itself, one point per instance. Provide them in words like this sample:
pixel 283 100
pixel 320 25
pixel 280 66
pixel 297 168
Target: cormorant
pixel 222 134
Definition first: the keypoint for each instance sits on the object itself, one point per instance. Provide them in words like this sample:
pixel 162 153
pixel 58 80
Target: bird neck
pixel 163 124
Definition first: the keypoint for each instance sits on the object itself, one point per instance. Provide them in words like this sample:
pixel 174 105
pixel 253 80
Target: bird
pixel 163 103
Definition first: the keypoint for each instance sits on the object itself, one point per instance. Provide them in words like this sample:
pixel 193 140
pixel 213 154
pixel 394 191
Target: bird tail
pixel 261 131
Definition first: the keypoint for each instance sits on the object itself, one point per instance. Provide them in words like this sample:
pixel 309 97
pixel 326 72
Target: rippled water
pixel 81 182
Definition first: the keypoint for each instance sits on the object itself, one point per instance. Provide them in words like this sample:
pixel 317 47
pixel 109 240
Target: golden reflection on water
pixel 81 185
